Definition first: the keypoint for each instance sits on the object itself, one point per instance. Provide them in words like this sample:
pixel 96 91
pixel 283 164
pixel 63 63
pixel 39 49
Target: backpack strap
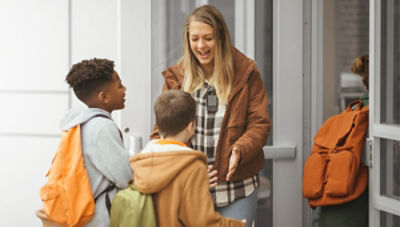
pixel 355 105
pixel 106 191
pixel 112 186
pixel 120 133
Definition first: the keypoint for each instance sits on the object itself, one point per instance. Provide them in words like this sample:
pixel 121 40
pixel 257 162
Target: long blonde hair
pixel 222 77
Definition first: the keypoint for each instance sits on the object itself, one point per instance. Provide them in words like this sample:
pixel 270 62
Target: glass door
pixel 385 114
pixel 253 26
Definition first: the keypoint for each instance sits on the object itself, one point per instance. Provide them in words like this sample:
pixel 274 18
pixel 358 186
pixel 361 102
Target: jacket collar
pixel 243 68
pixel 243 65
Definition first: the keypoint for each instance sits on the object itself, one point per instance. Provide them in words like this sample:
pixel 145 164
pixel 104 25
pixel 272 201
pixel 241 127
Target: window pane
pixel 167 21
pixel 227 8
pixel 390 166
pixel 263 50
pixel 263 57
pixel 390 62
pixel 389 220
pixel 265 198
pixel 345 37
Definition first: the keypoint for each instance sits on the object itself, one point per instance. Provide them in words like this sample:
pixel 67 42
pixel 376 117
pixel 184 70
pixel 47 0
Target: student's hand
pixel 233 163
pixel 244 220
pixel 212 175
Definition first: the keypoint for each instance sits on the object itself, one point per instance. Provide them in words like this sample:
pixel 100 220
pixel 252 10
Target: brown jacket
pixel 246 122
pixel 178 180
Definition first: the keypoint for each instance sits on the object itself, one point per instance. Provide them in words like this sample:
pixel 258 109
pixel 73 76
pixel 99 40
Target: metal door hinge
pixel 369 160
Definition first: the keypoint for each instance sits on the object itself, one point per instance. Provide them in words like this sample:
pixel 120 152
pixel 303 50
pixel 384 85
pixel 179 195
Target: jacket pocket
pixel 340 174
pixel 314 176
pixel 234 132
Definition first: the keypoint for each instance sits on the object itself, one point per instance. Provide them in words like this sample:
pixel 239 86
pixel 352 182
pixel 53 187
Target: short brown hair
pixel 174 110
pixel 360 67
pixel 87 76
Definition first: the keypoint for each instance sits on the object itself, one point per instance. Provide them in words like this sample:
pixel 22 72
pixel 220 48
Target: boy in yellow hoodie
pixel 172 172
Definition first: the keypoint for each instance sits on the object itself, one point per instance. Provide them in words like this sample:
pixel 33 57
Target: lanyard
pixel 212 100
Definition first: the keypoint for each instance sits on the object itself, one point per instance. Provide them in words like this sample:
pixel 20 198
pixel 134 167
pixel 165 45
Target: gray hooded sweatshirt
pixel 104 156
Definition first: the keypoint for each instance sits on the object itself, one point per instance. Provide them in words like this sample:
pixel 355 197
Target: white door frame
pixel 135 65
pixel 317 39
pixel 288 112
pixel 378 130
pixel 245 27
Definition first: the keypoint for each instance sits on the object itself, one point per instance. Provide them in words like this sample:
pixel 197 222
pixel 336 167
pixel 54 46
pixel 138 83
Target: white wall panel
pixel 136 67
pixel 28 113
pixel 94 30
pixel 33 45
pixel 24 163
pixel 39 41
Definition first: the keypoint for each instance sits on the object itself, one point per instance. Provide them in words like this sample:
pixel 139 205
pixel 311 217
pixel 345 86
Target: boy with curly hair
pixel 97 84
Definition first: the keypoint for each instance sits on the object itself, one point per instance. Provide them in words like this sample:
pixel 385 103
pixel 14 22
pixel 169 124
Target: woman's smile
pixel 202 43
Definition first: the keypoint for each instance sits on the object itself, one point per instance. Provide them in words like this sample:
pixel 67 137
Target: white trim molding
pixel 245 27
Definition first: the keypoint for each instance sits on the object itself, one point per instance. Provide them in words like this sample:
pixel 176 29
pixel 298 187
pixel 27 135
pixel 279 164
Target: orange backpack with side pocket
pixel 67 197
pixel 333 173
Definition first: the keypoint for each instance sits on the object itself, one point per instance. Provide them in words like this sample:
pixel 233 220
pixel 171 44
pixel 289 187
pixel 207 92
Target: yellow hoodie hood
pixel 158 164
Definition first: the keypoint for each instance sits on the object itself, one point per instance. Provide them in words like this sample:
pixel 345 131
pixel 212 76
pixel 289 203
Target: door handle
pixel 279 152
pixel 135 144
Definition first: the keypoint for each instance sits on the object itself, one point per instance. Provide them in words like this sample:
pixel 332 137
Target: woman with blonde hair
pixel 232 115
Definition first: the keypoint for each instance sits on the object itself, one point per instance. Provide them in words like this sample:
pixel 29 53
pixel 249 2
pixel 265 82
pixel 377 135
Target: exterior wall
pixel 34 59
pixel 352 32
pixel 43 39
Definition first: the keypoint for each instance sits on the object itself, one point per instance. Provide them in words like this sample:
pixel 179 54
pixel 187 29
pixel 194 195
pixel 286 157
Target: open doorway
pixel 339 34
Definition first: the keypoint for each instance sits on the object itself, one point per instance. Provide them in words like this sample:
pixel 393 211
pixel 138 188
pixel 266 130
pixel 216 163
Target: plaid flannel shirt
pixel 206 137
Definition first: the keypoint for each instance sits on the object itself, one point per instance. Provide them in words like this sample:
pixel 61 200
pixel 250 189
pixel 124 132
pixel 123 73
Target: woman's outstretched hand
pixel 233 163
pixel 212 175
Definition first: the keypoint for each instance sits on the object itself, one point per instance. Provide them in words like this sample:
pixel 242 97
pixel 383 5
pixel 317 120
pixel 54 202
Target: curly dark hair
pixel 87 76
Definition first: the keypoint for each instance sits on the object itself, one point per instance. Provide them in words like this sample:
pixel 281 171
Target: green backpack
pixel 132 208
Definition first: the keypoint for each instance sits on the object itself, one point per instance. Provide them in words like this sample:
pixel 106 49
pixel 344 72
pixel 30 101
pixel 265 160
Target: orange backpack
pixel 333 173
pixel 67 197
